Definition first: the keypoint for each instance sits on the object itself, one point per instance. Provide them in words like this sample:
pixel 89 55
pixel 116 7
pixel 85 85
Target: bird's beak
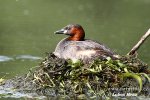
pixel 62 31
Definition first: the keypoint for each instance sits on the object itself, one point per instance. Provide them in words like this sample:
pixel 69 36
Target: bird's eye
pixel 67 28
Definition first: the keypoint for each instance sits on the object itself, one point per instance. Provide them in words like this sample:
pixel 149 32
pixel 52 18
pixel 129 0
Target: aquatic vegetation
pixel 89 80
pixel 100 79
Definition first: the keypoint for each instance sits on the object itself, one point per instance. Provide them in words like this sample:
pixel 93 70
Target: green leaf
pixel 135 76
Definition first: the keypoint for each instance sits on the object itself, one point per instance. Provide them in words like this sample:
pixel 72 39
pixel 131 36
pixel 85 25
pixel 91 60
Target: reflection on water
pixel 5 58
pixel 29 57
pixel 19 57
pixel 17 65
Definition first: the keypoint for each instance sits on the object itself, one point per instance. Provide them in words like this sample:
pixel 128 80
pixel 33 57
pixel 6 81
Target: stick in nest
pixel 140 42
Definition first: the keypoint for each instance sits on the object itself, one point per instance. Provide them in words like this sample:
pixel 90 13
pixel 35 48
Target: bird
pixel 76 47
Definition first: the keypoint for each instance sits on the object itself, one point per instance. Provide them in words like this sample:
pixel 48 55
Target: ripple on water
pixel 5 58
pixel 19 57
pixel 29 57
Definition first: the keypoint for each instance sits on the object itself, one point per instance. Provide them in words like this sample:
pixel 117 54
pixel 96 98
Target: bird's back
pixel 84 50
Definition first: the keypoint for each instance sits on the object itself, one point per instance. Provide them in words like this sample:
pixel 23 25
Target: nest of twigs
pixel 99 79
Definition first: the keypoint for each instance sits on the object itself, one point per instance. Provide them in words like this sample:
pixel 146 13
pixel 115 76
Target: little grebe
pixel 76 47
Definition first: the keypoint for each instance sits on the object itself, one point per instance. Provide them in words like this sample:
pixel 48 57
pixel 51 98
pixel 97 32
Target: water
pixel 27 26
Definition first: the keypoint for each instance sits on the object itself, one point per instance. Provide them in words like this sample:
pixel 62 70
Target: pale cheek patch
pixel 65 31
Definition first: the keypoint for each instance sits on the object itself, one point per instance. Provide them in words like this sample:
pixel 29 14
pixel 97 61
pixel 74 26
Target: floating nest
pixel 100 79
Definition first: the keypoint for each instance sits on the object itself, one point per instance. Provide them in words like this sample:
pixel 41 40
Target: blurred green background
pixel 27 27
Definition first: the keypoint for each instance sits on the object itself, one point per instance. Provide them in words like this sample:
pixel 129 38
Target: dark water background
pixel 27 28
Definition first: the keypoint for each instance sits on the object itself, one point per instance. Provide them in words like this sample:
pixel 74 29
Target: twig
pixel 140 42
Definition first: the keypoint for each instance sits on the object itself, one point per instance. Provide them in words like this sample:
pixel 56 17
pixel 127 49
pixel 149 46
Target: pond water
pixel 27 28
